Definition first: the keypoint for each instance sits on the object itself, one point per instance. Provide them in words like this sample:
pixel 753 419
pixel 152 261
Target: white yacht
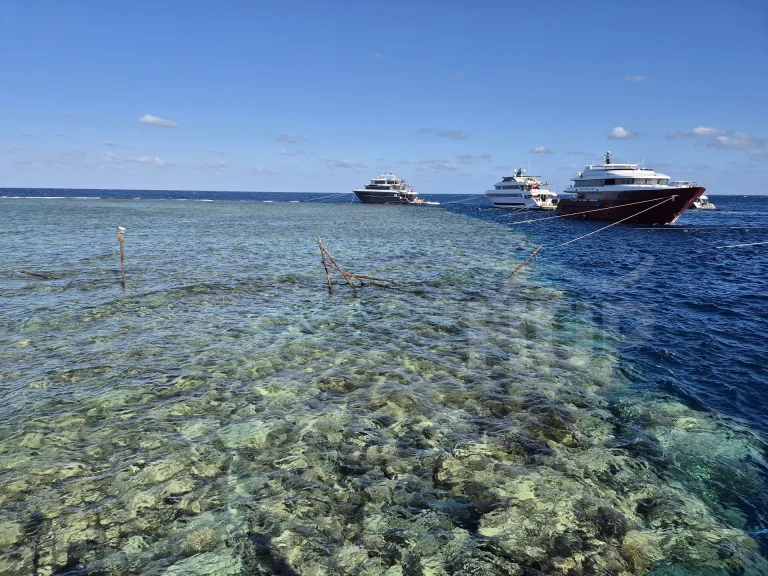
pixel 521 191
pixel 389 189
pixel 702 202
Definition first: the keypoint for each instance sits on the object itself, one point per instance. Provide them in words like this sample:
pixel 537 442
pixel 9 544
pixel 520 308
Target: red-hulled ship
pixel 624 192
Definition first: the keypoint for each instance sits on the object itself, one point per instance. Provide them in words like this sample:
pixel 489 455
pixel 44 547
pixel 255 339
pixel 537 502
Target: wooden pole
pixel 352 279
pixel 36 275
pixel 526 260
pixel 120 239
pixel 325 264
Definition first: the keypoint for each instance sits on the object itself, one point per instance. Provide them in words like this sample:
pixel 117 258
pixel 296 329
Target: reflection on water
pixel 225 415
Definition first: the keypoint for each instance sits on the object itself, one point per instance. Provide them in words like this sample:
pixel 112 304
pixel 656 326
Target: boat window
pixel 610 181
pixel 589 183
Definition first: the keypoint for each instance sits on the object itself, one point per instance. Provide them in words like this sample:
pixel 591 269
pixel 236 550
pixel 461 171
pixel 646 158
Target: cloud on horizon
pixel 292 152
pixel 149 120
pixel 636 78
pixel 146 159
pixel 719 138
pixel 541 150
pixel 262 170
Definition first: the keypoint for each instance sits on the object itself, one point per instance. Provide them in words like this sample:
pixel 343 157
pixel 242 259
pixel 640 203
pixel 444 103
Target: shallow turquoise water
pixel 225 415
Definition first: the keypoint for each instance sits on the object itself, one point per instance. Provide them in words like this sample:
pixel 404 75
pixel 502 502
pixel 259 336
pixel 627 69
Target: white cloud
pixel 66 113
pixel 347 164
pixel 703 131
pixel 150 120
pixel 403 161
pixel 571 166
pixel 458 135
pixel 291 152
pixel 636 78
pixel 60 134
pixel 719 138
pixel 262 170
pixel 146 159
pixel 465 158
pixel 758 154
pixel 217 152
pixel 454 134
pixel 72 152
pixel 486 157
pixel 112 144
pixel 15 149
pixel 619 132
pixel 541 150
pixel 289 139
pixel 218 165
pixel 378 55
pixel 457 76
pixel 735 141
pixel 438 166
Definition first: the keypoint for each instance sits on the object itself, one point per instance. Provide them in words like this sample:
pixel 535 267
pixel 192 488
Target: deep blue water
pixel 694 316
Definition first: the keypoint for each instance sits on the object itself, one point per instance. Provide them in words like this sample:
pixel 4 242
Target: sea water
pixel 224 414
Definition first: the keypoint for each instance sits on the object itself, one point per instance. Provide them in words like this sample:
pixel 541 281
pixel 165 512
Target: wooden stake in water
pixel 120 239
pixel 526 260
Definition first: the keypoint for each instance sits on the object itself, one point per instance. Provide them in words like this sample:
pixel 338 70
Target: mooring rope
pixel 588 211
pixel 617 222
pixel 740 245
pixel 328 196
pixel 594 231
pixel 472 197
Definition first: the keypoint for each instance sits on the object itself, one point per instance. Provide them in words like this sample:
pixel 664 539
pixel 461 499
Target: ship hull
pixel 380 197
pixel 637 206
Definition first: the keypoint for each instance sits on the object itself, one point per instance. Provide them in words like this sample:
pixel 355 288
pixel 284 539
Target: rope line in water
pixel 588 211
pixel 740 245
pixel 533 254
pixel 472 197
pixel 328 196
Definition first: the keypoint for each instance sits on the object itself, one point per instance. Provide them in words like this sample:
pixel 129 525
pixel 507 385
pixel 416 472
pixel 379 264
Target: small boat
pixel 626 193
pixel 701 203
pixel 389 189
pixel 521 191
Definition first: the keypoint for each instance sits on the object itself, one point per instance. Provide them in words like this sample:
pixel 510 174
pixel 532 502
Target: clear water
pixel 225 415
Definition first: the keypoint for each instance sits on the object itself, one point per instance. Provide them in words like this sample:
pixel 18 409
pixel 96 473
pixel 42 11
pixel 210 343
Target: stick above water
pixel 120 239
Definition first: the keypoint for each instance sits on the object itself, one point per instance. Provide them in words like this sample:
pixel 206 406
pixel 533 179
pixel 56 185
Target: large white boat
pixel 521 191
pixel 627 193
pixel 389 189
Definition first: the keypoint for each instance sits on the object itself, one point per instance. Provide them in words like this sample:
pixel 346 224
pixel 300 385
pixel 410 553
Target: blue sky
pixel 322 96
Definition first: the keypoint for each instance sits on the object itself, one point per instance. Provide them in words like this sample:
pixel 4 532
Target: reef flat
pixel 225 416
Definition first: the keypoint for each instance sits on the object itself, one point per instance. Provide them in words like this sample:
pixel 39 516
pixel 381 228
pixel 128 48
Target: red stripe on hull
pixel 620 205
